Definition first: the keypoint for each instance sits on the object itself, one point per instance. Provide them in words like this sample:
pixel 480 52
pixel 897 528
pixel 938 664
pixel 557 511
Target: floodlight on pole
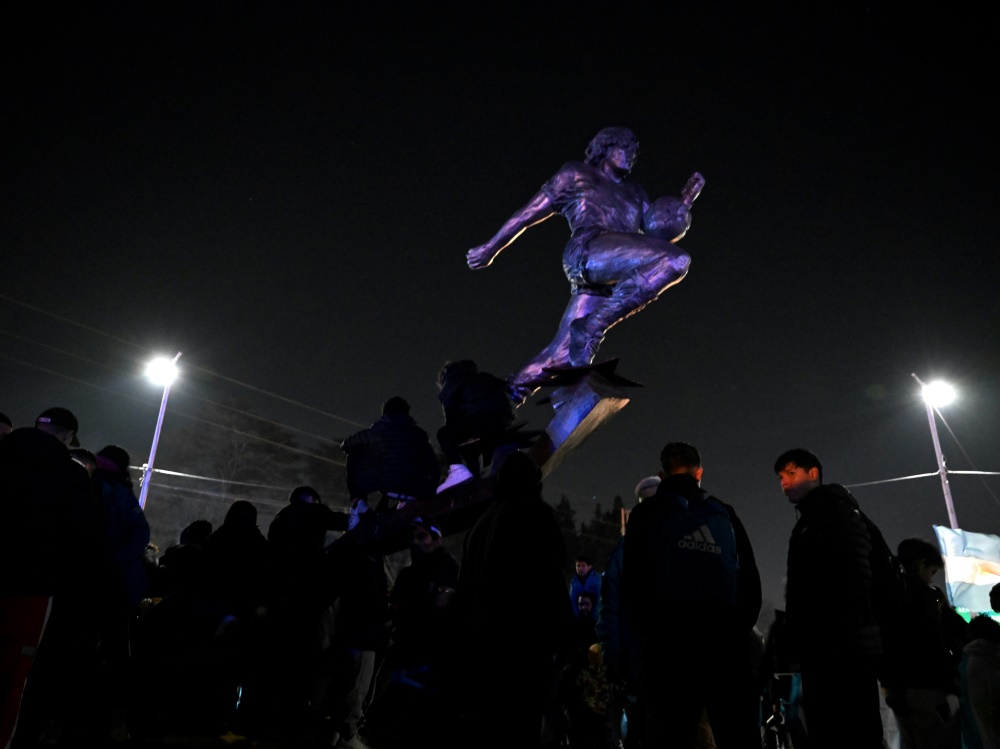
pixel 160 371
pixel 937 394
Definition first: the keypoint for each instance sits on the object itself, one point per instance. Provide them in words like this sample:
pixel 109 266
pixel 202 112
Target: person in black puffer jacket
pixel 831 622
pixel 393 456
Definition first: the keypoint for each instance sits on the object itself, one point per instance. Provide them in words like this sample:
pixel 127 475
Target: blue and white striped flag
pixel 971 566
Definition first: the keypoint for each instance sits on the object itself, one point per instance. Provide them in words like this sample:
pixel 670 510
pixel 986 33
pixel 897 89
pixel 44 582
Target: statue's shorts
pixel 575 264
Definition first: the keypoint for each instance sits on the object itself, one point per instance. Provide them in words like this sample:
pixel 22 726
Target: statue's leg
pixel 640 267
pixel 529 377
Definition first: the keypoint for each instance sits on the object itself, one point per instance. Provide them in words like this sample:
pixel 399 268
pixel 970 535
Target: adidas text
pixel 692 545
pixel 700 540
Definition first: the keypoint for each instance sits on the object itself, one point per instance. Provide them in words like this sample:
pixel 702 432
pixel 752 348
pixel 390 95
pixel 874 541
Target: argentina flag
pixel 971 566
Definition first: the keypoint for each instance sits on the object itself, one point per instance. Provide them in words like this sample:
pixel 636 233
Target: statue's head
pixel 607 139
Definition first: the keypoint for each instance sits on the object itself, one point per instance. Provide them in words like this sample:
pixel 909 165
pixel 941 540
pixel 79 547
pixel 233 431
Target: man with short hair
pixel 393 457
pixel 830 609
pixel 691 592
pixel 585 580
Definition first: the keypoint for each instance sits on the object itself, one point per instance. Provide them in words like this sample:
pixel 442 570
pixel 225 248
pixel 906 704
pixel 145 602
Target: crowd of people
pixel 304 631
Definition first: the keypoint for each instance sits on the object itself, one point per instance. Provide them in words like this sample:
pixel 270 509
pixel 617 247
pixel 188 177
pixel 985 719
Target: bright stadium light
pixel 161 371
pixel 937 394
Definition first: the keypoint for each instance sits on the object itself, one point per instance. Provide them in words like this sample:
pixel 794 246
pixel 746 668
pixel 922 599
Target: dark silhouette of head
pixel 305 495
pixel 241 514
pixel 112 465
pixel 913 551
pixel 518 476
pixel 196 532
pixel 395 406
pixel 84 457
pixel 679 457
pixel 115 458
pixel 459 367
pixel 983 628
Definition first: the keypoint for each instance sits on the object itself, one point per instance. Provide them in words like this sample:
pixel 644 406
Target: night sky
pixel 286 195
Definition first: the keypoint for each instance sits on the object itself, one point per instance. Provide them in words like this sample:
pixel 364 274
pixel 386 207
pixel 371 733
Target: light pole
pixel 161 371
pixel 935 395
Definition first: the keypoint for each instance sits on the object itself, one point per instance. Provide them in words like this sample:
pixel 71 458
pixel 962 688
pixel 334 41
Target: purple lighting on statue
pixel 620 257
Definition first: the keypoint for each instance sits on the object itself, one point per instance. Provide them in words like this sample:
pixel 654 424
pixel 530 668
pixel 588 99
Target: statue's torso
pixel 590 199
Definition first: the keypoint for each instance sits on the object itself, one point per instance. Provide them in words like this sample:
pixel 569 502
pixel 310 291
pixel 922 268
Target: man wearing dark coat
pixel 393 456
pixel 830 609
pixel 515 616
pixel 924 685
pixel 691 594
pixel 124 582
pixel 50 545
pixel 298 601
pixel 357 578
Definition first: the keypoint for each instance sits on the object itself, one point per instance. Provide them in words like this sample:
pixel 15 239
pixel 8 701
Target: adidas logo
pixel 700 540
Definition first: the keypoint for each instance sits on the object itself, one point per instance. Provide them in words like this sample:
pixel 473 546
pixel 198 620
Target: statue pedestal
pixel 581 406
pixel 583 398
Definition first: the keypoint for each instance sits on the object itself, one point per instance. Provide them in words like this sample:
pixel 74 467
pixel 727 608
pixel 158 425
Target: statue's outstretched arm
pixel 537 210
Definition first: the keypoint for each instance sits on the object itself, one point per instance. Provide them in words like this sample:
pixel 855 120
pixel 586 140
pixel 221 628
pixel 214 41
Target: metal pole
pixel 147 470
pixel 942 470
